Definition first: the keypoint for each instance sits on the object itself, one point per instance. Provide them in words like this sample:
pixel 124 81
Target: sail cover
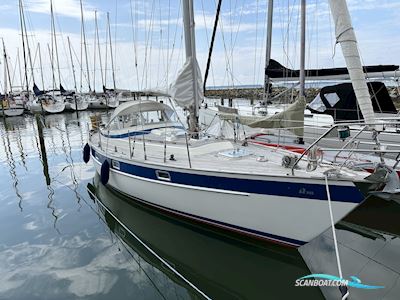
pixel 37 91
pixel 279 72
pixel 340 102
pixel 291 118
pixel 182 90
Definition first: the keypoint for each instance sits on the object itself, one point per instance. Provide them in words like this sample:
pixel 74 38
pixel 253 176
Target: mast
pixel 7 66
pixel 212 44
pixel 41 66
pixel 302 48
pixel 28 48
pixel 346 36
pixel 52 66
pixel 268 47
pixel 98 46
pixel 19 69
pixel 72 62
pixel 21 12
pixel 190 49
pixel 94 62
pixel 111 51
pixel 106 56
pixel 73 73
pixel 55 41
pixel 84 45
pixel 5 78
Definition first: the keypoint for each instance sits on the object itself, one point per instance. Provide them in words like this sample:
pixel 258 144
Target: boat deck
pixel 212 155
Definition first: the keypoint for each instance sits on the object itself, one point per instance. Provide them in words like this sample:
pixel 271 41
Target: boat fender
pixel 86 153
pixel 105 172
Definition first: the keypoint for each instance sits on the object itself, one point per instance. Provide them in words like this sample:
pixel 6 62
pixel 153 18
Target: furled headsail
pixel 346 37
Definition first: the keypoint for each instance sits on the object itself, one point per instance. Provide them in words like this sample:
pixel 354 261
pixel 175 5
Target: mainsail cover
pixel 291 118
pixel 346 37
pixel 182 90
pixel 277 71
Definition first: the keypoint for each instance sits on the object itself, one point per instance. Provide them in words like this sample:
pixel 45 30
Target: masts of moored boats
pixel 54 43
pixel 72 63
pixel 41 66
pixel 83 36
pixel 5 79
pixel 21 15
pixel 73 73
pixel 98 47
pixel 111 52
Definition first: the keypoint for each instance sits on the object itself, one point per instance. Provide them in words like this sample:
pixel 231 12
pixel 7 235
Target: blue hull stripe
pixel 134 133
pixel 339 193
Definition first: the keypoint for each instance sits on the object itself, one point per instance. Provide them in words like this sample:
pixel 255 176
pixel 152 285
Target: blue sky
pixel 156 38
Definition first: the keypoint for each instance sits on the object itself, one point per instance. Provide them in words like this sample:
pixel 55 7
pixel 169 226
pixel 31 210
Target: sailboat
pixel 51 101
pixel 263 192
pixel 9 106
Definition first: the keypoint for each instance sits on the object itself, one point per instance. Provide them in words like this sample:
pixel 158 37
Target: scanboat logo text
pixel 330 280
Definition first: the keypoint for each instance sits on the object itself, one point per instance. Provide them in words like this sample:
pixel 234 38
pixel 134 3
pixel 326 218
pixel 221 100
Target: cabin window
pixel 163 175
pixel 332 98
pixel 155 116
pixel 115 164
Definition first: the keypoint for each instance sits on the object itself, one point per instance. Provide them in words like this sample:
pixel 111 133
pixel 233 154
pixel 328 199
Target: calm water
pixel 65 236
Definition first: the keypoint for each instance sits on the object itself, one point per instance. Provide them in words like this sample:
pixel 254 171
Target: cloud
pixel 68 8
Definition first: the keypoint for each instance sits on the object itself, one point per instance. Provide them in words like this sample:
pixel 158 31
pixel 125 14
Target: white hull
pixel 36 108
pixel 54 108
pixel 81 105
pixel 101 103
pixel 13 112
pixel 289 220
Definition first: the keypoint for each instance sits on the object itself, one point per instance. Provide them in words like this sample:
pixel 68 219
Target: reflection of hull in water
pixel 378 215
pixel 213 260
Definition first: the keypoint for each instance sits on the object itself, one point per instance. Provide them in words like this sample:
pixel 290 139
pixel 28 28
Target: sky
pixel 148 48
